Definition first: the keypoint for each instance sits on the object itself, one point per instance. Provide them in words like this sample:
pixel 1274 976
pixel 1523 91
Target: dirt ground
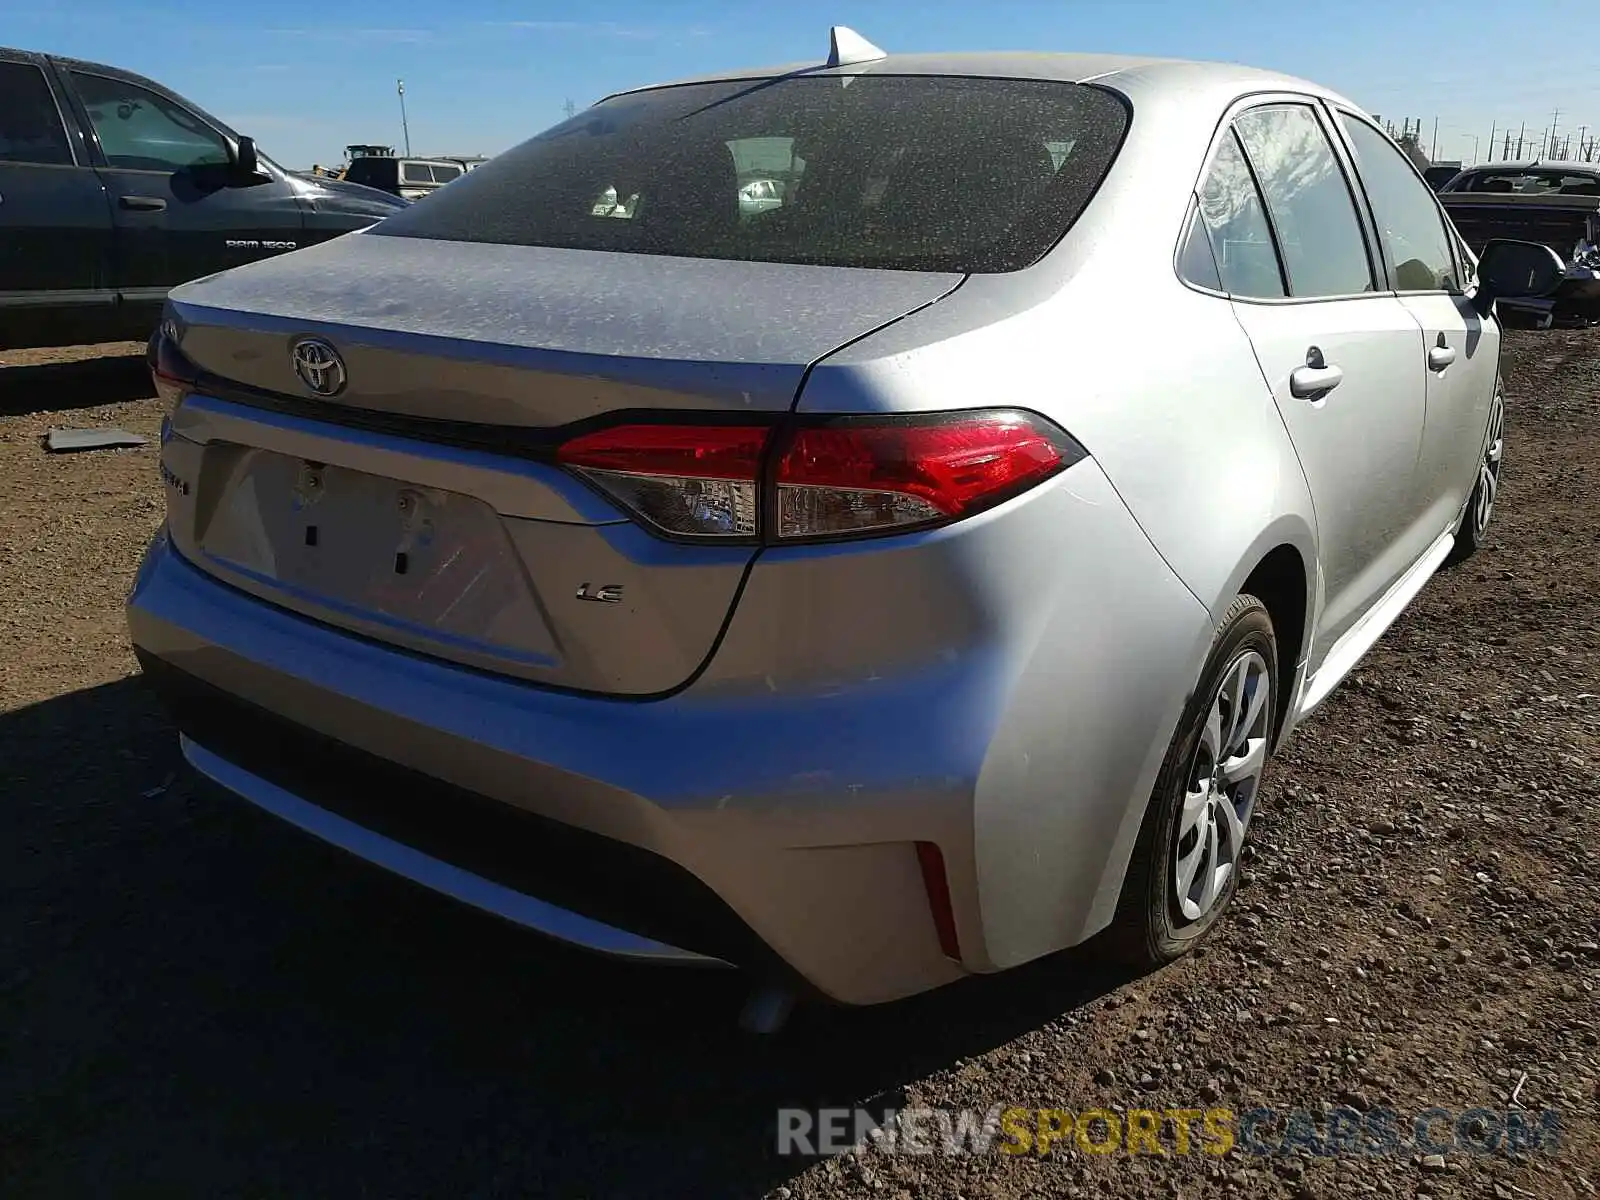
pixel 195 1000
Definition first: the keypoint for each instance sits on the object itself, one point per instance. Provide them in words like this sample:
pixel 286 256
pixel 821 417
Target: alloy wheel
pixel 1221 792
pixel 1489 470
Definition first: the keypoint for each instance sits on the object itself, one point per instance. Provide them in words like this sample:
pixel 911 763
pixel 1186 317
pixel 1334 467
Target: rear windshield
pixel 1532 183
pixel 928 173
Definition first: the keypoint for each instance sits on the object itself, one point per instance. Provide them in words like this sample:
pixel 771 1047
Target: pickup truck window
pixel 141 131
pixel 30 124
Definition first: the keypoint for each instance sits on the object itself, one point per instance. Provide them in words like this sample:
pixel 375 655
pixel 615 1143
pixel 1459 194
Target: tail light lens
pixel 842 477
pixel 855 476
pixel 172 373
pixel 685 480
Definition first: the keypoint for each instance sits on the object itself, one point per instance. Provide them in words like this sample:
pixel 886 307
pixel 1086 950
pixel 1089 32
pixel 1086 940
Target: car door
pixel 181 210
pixel 55 230
pixel 1461 349
pixel 1342 357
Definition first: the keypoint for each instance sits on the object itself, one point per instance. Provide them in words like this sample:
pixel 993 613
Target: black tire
pixel 1149 930
pixel 1470 533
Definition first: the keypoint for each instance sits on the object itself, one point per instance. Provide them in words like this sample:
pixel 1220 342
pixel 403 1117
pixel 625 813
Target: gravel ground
pixel 195 1000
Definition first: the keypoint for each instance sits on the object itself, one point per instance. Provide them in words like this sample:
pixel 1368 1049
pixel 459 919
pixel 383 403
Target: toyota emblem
pixel 319 366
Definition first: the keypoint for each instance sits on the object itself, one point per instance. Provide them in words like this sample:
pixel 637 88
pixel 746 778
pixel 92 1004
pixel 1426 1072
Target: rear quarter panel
pixel 1159 382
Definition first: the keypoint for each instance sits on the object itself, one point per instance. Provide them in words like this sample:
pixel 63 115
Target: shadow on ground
pixel 201 1001
pixel 82 383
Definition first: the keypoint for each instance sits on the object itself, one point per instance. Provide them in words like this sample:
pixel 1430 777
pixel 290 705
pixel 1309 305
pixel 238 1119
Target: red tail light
pixel 857 477
pixel 172 373
pixel 841 477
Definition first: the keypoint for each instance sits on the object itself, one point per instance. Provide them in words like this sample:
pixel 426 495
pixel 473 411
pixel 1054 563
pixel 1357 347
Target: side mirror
pixel 1516 270
pixel 245 163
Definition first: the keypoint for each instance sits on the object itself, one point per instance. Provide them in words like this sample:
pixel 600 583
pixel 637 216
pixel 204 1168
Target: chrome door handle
pixel 1312 383
pixel 1441 357
pixel 142 203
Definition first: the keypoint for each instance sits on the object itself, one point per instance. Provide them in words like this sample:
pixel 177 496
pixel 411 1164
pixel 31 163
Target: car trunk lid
pixel 408 506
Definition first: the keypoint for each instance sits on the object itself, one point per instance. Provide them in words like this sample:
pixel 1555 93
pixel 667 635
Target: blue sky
pixel 306 78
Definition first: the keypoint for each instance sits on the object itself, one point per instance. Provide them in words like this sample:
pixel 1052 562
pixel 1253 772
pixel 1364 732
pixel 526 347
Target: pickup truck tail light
pixel 835 478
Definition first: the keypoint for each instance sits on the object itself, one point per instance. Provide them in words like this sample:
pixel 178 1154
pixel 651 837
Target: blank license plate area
pixel 374 547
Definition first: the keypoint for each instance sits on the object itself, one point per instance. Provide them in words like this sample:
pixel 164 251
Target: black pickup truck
pixel 114 189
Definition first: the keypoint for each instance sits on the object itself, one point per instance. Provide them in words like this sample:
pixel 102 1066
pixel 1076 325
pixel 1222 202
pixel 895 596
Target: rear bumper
pixel 958 688
pixel 532 804
pixel 445 877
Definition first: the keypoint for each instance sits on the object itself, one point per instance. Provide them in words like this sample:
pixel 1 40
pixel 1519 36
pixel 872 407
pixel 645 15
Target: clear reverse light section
pixel 696 481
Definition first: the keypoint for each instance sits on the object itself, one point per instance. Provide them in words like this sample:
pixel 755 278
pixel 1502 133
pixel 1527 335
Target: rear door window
pixel 1236 220
pixel 1410 228
pixel 30 123
pixel 1196 263
pixel 1313 214
pixel 905 172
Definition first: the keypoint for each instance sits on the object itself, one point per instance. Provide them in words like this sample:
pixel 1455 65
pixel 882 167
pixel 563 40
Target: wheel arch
pixel 1281 582
pixel 1279 569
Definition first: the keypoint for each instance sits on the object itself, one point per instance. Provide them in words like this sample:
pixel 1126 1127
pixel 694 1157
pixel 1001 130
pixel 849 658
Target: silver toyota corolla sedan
pixel 901 581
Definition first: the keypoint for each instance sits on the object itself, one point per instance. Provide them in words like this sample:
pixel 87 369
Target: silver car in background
pixel 901 582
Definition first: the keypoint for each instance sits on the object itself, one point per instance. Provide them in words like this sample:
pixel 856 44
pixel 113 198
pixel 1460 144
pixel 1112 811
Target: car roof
pixel 1127 73
pixel 1535 164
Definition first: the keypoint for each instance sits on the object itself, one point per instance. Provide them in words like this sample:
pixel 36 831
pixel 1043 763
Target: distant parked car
pixel 1556 204
pixel 760 195
pixel 898 584
pixel 1536 178
pixel 1441 174
pixel 409 178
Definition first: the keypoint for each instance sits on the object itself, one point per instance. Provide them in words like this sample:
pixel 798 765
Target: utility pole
pixel 1582 129
pixel 1433 154
pixel 1521 129
pixel 1493 125
pixel 1550 142
pixel 400 88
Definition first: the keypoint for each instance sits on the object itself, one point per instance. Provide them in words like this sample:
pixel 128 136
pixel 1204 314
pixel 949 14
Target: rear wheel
pixel 1480 508
pixel 1185 865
